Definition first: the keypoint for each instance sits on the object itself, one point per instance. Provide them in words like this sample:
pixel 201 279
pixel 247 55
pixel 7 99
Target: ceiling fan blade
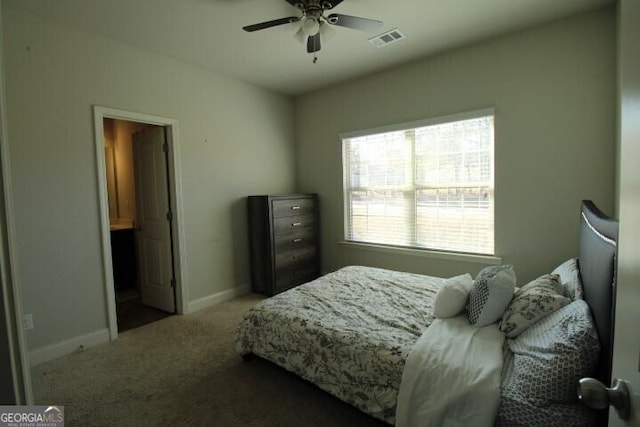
pixel 313 43
pixel 269 24
pixel 354 22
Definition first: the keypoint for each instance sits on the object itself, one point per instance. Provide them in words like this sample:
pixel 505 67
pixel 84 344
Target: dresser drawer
pixel 293 207
pixel 289 277
pixel 291 224
pixel 301 238
pixel 291 259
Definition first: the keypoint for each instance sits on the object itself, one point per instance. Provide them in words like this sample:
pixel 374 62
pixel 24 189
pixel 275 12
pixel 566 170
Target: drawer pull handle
pixel 296 224
pixel 295 208
pixel 297 240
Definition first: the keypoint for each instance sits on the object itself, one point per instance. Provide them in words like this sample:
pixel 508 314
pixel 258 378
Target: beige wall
pixel 110 164
pixel 234 139
pixel 125 178
pixel 553 90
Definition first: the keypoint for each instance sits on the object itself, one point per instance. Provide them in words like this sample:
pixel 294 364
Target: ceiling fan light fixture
pixel 310 26
pixel 326 32
pixel 300 36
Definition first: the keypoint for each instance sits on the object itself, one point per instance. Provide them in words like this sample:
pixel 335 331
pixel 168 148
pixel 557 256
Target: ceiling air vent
pixel 386 38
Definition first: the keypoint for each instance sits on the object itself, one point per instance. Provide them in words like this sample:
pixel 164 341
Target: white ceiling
pixel 208 33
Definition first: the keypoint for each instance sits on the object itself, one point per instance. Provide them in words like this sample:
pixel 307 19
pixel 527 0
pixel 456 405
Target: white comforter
pixel 452 376
pixel 348 332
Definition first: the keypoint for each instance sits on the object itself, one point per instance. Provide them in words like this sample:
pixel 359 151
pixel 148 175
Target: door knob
pixel 595 395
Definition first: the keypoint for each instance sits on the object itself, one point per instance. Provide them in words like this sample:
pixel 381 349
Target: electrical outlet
pixel 27 321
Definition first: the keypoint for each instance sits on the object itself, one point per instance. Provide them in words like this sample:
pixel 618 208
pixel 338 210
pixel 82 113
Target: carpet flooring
pixel 184 371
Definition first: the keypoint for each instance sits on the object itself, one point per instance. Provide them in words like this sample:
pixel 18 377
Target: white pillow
pixel 491 294
pixel 452 296
pixel 532 302
pixel 570 278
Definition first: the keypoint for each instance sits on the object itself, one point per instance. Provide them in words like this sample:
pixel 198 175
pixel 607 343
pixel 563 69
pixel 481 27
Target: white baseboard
pixel 68 346
pixel 210 300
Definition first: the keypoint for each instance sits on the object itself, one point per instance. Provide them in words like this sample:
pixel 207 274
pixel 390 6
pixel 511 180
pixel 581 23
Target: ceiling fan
pixel 315 22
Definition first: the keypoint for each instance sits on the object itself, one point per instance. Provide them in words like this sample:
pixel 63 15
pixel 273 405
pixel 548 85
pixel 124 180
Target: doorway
pixel 128 161
pixel 140 214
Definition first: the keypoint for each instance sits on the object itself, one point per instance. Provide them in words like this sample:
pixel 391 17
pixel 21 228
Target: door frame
pixel 175 194
pixel 10 288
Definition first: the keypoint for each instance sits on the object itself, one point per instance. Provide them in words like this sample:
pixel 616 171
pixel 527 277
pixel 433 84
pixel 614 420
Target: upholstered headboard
pixel 597 263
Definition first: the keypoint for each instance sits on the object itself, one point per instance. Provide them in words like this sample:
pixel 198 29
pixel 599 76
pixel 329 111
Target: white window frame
pixel 411 250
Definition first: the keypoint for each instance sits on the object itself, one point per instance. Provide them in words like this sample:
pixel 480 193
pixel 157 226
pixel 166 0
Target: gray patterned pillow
pixel 531 303
pixel 570 278
pixel 490 295
pixel 551 356
pixel 522 413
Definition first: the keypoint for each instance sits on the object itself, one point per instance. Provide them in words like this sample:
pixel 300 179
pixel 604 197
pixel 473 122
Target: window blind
pixel 430 186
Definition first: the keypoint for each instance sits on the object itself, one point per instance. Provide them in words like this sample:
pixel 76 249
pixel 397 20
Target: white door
pixel 153 222
pixel 626 356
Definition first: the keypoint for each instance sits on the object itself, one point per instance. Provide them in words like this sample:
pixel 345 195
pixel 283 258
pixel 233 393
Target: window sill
pixel 450 256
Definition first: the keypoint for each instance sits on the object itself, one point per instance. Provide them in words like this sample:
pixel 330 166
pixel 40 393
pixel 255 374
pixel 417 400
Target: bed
pixel 356 333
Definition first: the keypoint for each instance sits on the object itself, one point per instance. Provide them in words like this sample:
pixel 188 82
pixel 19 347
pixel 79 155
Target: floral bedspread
pixel 349 332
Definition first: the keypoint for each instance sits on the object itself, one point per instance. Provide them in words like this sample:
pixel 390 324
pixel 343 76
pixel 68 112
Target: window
pixel 423 185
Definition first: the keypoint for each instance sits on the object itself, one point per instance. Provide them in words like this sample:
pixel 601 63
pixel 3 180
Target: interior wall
pixel 553 90
pixel 234 140
pixel 125 178
pixel 110 163
pixel 121 139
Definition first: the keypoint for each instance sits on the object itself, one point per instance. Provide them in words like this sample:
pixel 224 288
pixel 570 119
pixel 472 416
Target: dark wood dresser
pixel 284 243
